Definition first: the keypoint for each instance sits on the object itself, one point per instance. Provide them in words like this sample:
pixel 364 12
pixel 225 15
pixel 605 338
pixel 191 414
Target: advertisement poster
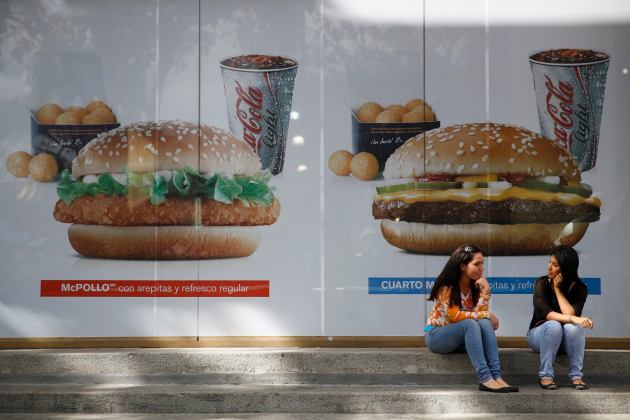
pixel 305 168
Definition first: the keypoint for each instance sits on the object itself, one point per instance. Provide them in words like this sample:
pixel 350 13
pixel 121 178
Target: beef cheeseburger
pixel 164 190
pixel 505 188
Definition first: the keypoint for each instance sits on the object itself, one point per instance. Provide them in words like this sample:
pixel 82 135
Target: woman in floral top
pixel 460 319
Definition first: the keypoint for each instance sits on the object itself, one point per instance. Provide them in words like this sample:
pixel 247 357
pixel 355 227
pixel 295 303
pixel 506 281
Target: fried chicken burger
pixel 166 190
pixel 505 188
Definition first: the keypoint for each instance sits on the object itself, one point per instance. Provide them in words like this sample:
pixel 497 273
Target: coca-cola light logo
pixel 562 110
pixel 249 113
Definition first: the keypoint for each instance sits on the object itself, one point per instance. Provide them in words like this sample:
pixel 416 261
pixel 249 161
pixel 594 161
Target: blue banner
pixel 500 285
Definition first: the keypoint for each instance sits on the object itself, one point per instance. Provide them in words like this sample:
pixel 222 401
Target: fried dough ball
pixel 105 114
pixel 78 110
pixel 388 116
pixel 412 103
pixel 413 117
pixel 17 163
pixel 418 116
pixel 91 119
pixel 368 111
pixel 43 167
pixel 99 118
pixel 426 111
pixel 67 118
pixel 339 162
pixel 364 166
pixel 425 105
pixel 48 113
pixel 396 108
pixel 97 103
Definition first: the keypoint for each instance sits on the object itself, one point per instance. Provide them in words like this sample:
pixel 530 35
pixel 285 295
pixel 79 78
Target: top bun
pixel 166 145
pixel 480 149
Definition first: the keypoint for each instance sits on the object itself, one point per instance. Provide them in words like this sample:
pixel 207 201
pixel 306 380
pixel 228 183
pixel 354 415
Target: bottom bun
pixel 164 242
pixel 522 239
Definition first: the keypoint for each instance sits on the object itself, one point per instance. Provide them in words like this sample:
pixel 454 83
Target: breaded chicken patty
pixel 123 211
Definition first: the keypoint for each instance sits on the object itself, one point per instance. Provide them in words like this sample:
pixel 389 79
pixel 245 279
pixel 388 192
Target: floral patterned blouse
pixel 443 313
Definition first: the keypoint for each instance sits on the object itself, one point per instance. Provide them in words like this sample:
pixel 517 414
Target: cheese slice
pixel 473 194
pixel 477 178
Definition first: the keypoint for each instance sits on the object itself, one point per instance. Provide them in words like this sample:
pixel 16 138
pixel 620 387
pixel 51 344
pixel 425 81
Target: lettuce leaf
pixel 70 189
pixel 158 190
pixel 182 182
pixel 226 189
pixel 109 186
pixel 186 182
pixel 256 189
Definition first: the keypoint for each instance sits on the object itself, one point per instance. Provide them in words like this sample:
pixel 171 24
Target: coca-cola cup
pixel 258 92
pixel 569 85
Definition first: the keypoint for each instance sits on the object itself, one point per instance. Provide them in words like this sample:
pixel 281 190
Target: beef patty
pixel 506 212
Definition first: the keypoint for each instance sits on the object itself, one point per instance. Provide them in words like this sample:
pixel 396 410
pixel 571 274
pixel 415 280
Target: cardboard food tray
pixel 382 139
pixel 63 141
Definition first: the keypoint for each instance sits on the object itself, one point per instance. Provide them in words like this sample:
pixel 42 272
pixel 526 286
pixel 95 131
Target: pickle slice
pixel 437 185
pixel 584 190
pixel 395 188
pixel 432 185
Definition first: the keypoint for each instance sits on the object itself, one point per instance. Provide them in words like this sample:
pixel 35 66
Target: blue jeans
pixel 548 338
pixel 476 337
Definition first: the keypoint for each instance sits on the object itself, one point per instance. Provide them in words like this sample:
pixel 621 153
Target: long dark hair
pixel 449 277
pixel 569 262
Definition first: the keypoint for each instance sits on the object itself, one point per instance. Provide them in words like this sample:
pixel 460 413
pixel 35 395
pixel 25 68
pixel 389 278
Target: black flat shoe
pixel 502 390
pixel 580 386
pixel 552 385
pixel 513 388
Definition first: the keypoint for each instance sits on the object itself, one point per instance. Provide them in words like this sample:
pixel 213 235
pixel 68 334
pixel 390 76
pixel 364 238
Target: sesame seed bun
pixel 480 149
pixel 163 242
pixel 166 145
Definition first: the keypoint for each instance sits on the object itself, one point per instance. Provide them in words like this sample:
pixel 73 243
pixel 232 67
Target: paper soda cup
pixel 258 93
pixel 569 86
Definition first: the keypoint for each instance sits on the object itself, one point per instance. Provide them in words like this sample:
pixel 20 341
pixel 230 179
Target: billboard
pixel 215 168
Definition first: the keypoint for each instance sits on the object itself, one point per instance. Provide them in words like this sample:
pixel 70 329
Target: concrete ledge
pixel 262 341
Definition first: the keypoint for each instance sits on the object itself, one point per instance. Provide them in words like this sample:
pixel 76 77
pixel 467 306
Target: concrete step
pixel 235 382
pixel 288 379
pixel 307 416
pixel 288 363
pixel 339 399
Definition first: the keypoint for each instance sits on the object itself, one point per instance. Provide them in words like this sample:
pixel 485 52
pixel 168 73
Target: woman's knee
pixel 470 324
pixel 486 324
pixel 553 329
pixel 571 330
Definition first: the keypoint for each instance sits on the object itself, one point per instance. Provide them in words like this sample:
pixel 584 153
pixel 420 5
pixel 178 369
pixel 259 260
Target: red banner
pixel 154 288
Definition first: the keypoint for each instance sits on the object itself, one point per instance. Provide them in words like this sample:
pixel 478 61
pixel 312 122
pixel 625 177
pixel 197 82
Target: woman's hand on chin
pixel 483 285
pixel 557 281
